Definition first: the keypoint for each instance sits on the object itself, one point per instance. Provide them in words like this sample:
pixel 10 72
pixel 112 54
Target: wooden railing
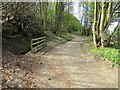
pixel 37 44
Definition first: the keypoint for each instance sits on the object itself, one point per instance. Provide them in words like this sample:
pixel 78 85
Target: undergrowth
pixel 66 36
pixel 110 54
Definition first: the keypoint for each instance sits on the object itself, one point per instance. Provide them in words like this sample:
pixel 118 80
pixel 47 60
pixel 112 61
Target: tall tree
pixel 94 24
pixel 103 16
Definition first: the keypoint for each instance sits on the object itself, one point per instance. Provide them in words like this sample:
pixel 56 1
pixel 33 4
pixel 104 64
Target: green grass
pixel 110 54
pixel 66 36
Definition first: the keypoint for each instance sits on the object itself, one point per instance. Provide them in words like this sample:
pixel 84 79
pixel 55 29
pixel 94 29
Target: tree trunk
pixel 101 25
pixel 94 24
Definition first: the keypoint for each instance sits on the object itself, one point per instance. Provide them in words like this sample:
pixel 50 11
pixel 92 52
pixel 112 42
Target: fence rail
pixel 37 44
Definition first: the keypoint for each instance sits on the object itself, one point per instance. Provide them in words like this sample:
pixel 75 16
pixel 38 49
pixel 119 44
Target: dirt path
pixel 69 65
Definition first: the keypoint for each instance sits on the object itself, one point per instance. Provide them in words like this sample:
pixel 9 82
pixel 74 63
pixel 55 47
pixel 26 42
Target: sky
pixel 112 26
pixel 78 12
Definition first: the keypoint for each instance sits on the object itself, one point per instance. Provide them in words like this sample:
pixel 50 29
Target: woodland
pixel 25 21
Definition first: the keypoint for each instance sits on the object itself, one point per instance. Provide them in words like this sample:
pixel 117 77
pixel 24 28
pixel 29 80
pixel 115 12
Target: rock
pixel 16 81
pixel 21 73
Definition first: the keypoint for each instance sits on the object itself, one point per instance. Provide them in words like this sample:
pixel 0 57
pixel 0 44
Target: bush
pixel 74 24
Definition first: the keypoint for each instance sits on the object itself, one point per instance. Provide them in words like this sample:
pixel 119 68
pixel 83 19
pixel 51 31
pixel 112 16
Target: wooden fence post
pixel 31 47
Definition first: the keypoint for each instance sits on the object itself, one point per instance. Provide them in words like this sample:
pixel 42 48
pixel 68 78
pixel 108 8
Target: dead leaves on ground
pixel 18 71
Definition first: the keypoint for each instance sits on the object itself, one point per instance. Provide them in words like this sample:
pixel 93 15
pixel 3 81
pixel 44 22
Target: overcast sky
pixel 78 12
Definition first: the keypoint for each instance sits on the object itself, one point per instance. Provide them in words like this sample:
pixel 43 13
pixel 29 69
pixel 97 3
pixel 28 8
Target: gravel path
pixel 69 65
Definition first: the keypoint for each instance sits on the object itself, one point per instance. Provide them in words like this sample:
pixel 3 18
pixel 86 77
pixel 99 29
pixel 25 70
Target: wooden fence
pixel 37 44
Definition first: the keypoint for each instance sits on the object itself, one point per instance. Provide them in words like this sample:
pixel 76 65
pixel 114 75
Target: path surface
pixel 69 65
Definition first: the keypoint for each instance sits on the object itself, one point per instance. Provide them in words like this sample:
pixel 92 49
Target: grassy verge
pixel 63 37
pixel 110 54
pixel 66 36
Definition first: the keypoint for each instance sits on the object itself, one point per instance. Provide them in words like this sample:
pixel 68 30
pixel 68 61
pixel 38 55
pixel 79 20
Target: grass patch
pixel 66 36
pixel 110 54
pixel 60 37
